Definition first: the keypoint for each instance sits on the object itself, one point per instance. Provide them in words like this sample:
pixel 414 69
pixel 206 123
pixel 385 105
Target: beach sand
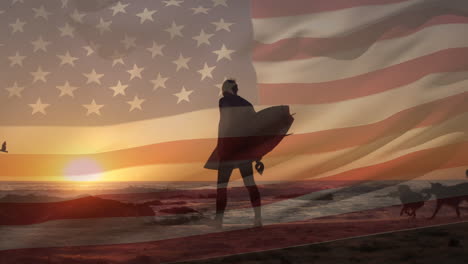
pixel 326 240
pixel 359 224
pixel 441 244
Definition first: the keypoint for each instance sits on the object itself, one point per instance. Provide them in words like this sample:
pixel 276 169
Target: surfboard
pixel 263 133
pixel 269 128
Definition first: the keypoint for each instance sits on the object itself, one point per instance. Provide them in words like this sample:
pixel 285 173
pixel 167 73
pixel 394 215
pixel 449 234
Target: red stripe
pixel 394 27
pixel 277 8
pixel 410 165
pixel 407 167
pixel 421 116
pixel 234 242
pixel 449 60
pixel 199 150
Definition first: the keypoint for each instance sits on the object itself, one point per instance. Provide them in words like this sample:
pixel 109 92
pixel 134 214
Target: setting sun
pixel 84 169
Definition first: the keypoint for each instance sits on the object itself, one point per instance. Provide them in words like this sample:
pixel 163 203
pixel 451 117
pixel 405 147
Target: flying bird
pixel 4 147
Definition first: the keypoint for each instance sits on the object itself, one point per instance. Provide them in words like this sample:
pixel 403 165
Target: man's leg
pixel 221 196
pixel 249 182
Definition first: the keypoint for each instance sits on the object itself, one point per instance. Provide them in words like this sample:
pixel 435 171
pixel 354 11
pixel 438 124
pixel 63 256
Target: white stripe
pixel 379 151
pixel 203 124
pixel 379 56
pixel 326 24
pixel 295 165
pixel 108 231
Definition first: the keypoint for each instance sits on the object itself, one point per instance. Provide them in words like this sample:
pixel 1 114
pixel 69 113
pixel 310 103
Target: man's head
pixel 230 86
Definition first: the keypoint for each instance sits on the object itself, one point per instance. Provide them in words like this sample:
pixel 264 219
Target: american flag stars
pixel 39 75
pixel 39 107
pixel 17 26
pixel 173 2
pixel 135 103
pixel 203 38
pixel 200 10
pixel 64 3
pixel 156 49
pixel 129 42
pixel 93 77
pixel 118 8
pixel 76 57
pixel 17 59
pixel 182 62
pixel 183 95
pixel 67 31
pixel 93 108
pixel 104 26
pixel 117 58
pixel 175 30
pixel 219 3
pixel 206 72
pixel 13 2
pixel 66 89
pixel 67 59
pixel 14 90
pixel 41 12
pixel 40 44
pixel 119 88
pixel 223 53
pixel 146 15
pixel 91 48
pixel 77 16
pixel 159 82
pixel 135 72
pixel 222 25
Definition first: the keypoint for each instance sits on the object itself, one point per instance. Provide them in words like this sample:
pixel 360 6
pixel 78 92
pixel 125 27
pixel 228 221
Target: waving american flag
pixel 109 90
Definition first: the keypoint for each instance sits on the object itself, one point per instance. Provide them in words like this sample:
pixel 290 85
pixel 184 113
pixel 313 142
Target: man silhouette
pixel 236 115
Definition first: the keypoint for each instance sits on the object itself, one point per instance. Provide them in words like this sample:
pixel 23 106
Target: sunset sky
pixel 127 92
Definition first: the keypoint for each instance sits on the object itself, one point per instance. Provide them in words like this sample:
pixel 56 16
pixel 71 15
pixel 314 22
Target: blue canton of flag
pixel 107 62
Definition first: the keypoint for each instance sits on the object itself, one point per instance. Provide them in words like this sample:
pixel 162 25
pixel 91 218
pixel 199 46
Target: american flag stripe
pixel 402 166
pixel 110 230
pixel 310 118
pixel 440 65
pixel 119 47
pixel 379 56
pixel 405 138
pixel 394 27
pixel 326 24
pixel 414 166
pixel 358 166
pixel 414 163
pixel 275 8
pixel 372 139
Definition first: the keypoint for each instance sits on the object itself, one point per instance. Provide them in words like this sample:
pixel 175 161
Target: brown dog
pixel 410 200
pixel 449 195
